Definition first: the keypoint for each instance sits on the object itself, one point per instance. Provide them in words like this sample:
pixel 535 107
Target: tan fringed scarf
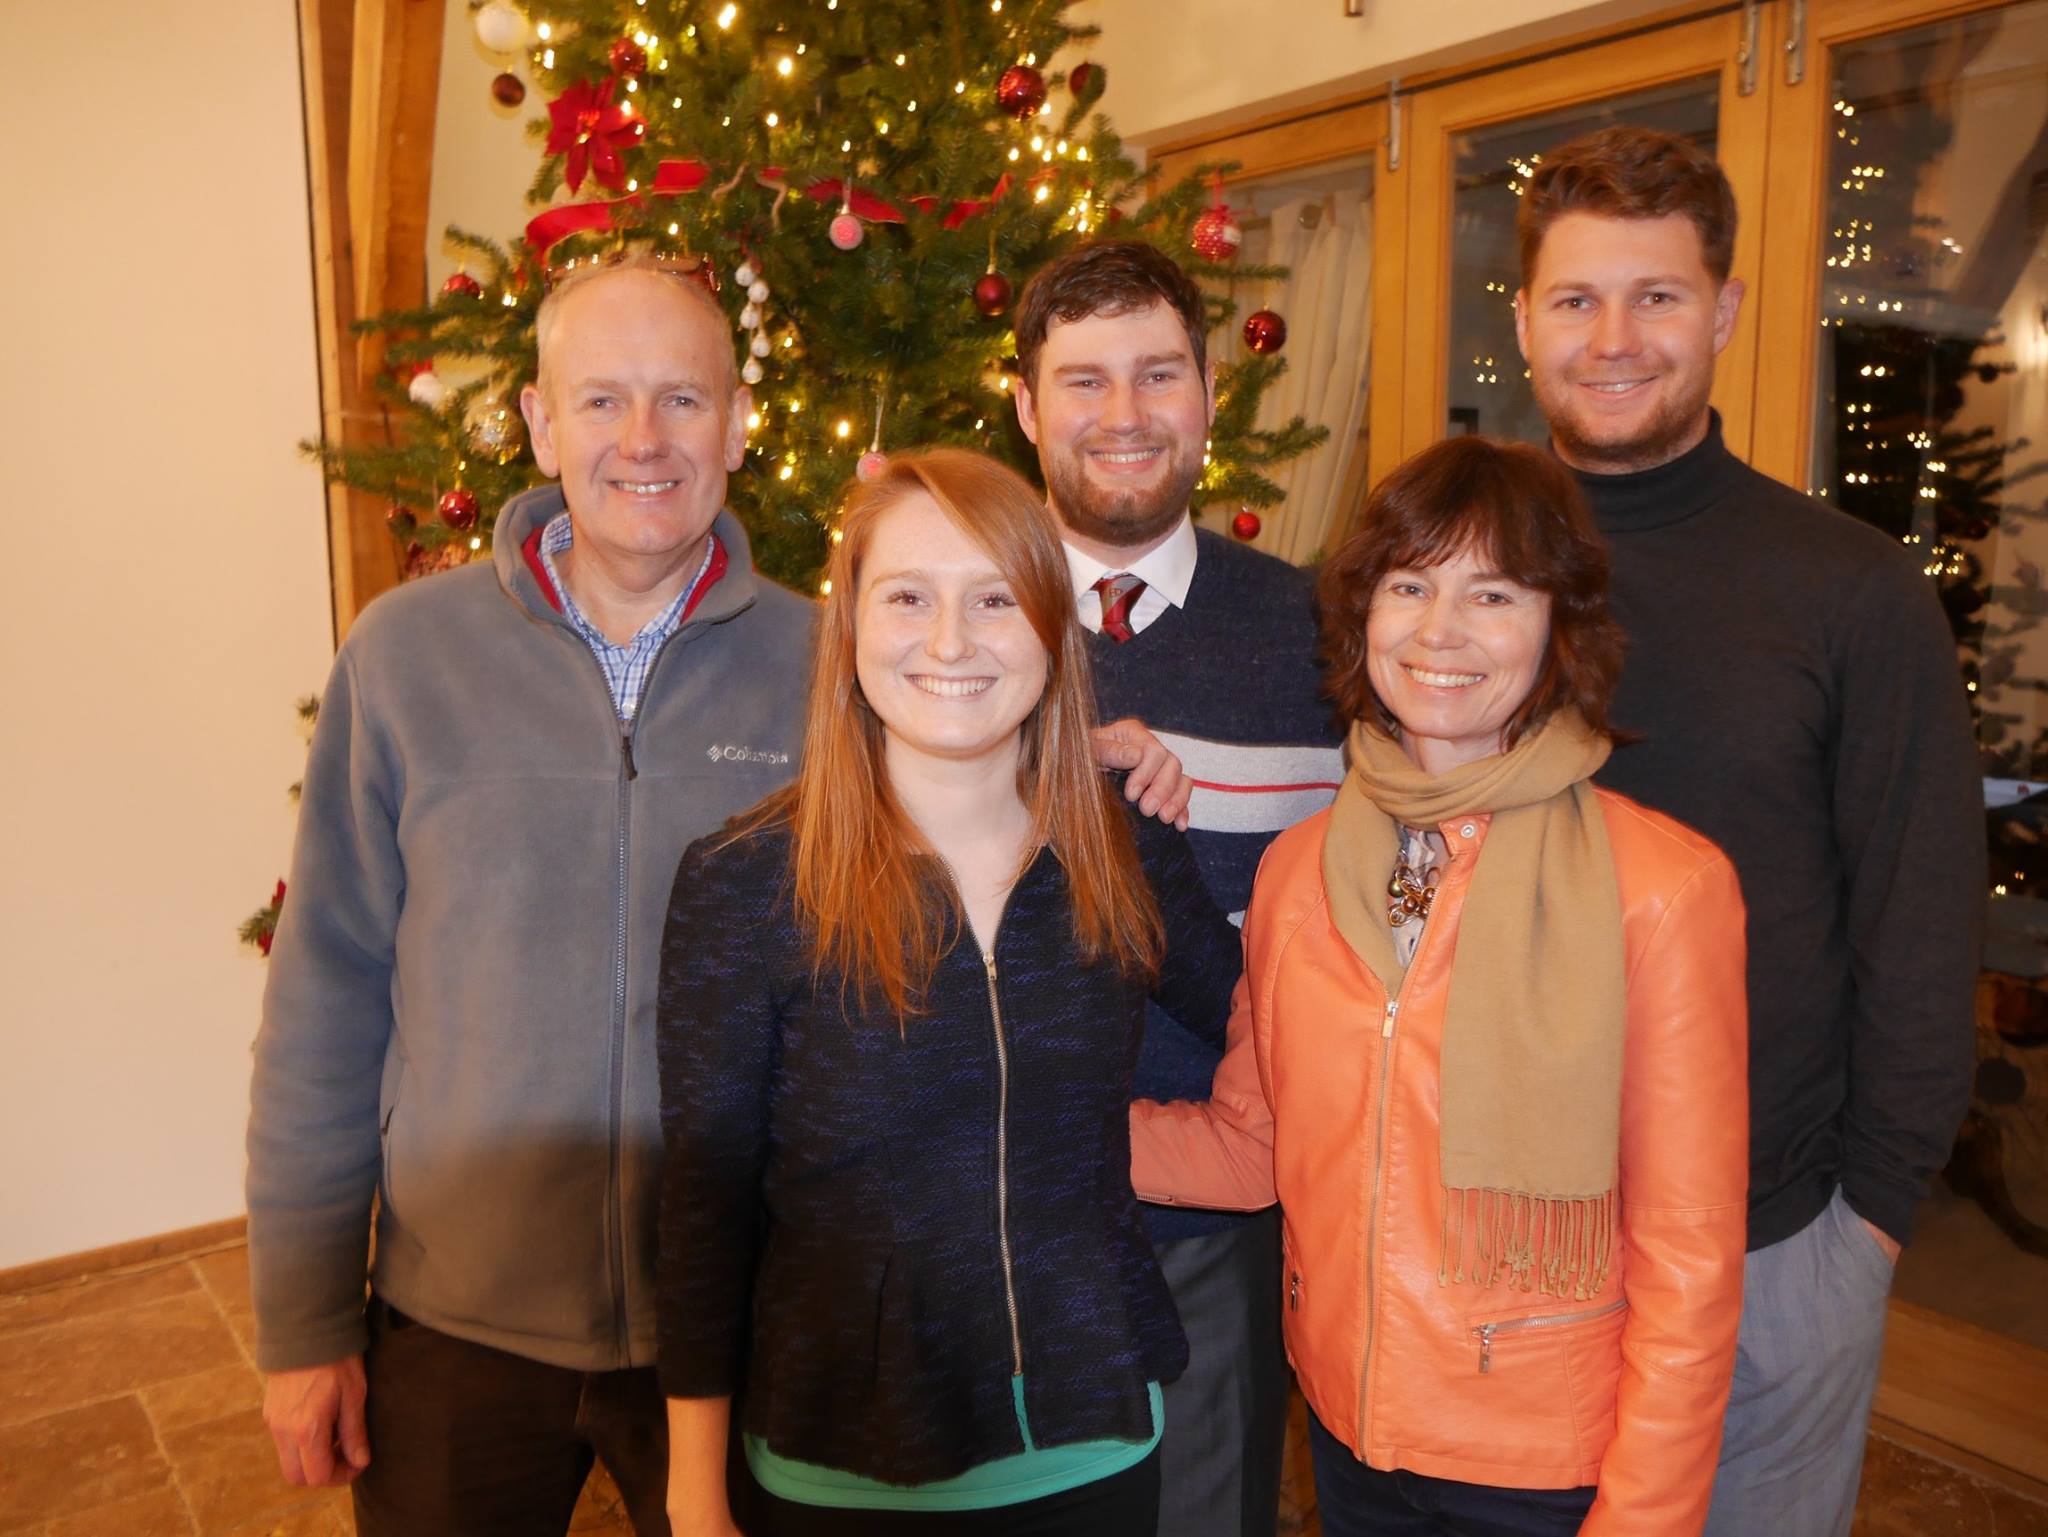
pixel 1533 1023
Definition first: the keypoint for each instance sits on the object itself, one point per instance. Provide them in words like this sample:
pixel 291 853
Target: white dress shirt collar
pixel 1167 571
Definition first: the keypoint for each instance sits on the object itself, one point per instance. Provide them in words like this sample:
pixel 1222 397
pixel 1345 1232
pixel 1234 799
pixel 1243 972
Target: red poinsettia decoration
pixel 591 132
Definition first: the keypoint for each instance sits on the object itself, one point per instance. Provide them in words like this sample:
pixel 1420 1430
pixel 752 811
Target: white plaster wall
pixel 1175 65
pixel 167 598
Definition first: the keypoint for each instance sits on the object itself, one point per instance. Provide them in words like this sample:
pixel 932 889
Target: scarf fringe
pixel 1561 1246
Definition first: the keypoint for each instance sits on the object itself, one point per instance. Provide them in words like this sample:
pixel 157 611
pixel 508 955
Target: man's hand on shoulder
pixel 1157 782
pixel 315 1416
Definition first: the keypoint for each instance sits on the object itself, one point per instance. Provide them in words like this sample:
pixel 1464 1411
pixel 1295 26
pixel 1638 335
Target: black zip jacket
pixel 867 1231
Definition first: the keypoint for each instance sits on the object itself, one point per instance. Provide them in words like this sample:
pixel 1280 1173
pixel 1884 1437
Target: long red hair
pixel 880 915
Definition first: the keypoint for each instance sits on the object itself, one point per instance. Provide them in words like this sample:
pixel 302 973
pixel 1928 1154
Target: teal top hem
pixel 1031 1474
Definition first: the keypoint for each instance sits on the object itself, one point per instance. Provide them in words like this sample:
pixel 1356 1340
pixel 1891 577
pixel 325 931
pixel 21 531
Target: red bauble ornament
pixel 1021 90
pixel 627 57
pixel 508 90
pixel 401 522
pixel 1086 82
pixel 1216 236
pixel 992 294
pixel 845 230
pixel 1246 524
pixel 462 285
pixel 1265 332
pixel 458 509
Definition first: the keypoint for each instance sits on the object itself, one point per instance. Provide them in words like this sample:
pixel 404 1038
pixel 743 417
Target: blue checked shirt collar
pixel 625 667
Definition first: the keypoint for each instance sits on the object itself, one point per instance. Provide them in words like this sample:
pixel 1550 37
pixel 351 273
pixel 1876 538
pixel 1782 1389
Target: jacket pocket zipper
pixel 1486 1332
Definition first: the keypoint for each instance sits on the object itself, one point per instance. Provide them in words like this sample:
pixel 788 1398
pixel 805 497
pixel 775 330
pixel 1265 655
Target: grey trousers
pixel 1219 1461
pixel 1813 1311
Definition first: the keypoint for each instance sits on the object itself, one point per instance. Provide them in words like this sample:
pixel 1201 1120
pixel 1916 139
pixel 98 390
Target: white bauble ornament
pixel 758 291
pixel 752 372
pixel 744 274
pixel 758 346
pixel 750 317
pixel 428 389
pixel 501 27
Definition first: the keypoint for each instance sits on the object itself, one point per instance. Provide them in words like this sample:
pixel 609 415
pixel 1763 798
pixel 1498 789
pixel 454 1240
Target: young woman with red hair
pixel 900 1009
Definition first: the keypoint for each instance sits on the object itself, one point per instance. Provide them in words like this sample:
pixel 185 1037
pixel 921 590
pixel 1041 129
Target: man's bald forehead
pixel 687 290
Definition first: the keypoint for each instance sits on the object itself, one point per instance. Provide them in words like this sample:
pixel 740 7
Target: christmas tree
pixel 867 182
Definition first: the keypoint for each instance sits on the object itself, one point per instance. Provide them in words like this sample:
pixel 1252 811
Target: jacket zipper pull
pixel 626 747
pixel 1387 1029
pixel 1485 1333
pixel 1294 1292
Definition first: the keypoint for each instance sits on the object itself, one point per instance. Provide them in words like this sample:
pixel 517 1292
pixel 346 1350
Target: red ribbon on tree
pixel 670 177
pixel 592 130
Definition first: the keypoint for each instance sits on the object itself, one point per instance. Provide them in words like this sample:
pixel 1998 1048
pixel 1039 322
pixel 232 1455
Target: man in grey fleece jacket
pixel 459 1020
pixel 460 1015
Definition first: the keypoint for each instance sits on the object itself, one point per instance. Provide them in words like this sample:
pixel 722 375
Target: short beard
pixel 1671 432
pixel 1122 519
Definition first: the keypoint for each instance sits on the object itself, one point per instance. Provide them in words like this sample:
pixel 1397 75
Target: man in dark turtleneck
pixel 1796 695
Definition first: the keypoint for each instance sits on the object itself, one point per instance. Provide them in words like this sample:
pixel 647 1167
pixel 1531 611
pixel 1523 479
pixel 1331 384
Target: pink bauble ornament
pixel 846 231
pixel 1246 524
pixel 871 465
pixel 1265 332
pixel 1216 236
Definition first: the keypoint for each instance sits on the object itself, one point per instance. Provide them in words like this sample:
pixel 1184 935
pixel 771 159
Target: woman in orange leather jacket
pixel 1489 1052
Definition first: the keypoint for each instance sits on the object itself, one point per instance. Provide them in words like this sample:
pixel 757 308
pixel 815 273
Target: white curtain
pixel 1326 243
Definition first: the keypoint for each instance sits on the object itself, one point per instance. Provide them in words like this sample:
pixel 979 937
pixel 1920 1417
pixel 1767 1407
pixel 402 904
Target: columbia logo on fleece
pixel 732 752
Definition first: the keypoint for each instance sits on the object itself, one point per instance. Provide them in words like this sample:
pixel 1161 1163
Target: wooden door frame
pixel 1795 200
pixel 1688 50
pixel 1346 128
pixel 370 71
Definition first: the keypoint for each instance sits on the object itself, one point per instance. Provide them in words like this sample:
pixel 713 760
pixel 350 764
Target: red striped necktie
pixel 1119 594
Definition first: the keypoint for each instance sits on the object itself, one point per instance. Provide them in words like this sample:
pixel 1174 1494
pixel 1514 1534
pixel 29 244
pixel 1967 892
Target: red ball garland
pixel 458 509
pixel 1265 332
pixel 627 57
pixel 1021 90
pixel 992 294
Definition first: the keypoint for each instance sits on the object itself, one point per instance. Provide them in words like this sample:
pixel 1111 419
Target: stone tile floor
pixel 128 1408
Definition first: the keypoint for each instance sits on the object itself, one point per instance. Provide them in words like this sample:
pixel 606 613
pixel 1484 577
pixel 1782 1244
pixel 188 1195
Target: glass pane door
pixel 1928 417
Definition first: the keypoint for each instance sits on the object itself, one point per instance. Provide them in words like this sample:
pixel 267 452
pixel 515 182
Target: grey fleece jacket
pixel 459 1016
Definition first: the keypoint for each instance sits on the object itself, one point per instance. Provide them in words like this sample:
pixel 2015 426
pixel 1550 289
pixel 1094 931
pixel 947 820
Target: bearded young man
pixel 1214 645
pixel 1796 694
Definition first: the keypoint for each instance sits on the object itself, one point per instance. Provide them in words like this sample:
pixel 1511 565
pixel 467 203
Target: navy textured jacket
pixel 869 1230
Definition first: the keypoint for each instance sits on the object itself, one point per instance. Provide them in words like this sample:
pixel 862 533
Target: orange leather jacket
pixel 1326 1100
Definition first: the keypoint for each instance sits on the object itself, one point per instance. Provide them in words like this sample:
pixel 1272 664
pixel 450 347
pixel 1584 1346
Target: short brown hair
pixel 1106 277
pixel 1626 172
pixel 1522 508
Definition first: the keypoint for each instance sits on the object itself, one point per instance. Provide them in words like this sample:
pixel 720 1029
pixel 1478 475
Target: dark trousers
pixel 467 1441
pixel 1226 1418
pixel 1357 1501
pixel 1124 1504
